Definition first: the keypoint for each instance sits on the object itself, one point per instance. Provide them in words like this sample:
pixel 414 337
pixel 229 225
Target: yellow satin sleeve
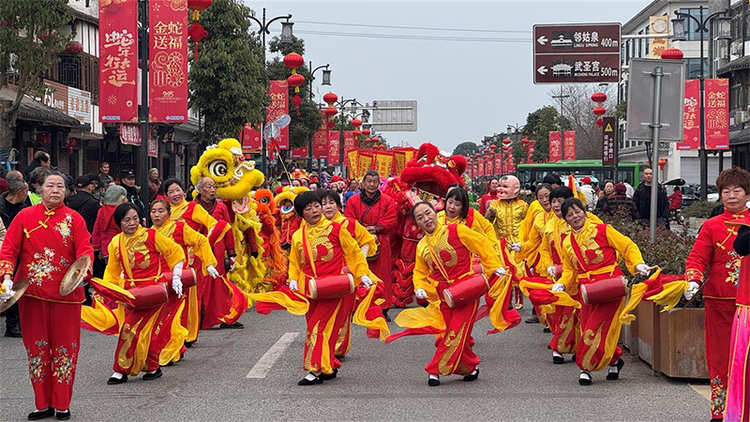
pixel 533 241
pixel 593 218
pixel 200 246
pixel 421 275
pixel 114 269
pixel 570 272
pixel 363 237
pixel 169 249
pixel 477 244
pixel 202 216
pixel 625 247
pixel 483 226
pixel 353 255
pixel 528 222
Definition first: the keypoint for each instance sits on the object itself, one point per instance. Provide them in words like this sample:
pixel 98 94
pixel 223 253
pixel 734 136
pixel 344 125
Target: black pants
pixel 11 317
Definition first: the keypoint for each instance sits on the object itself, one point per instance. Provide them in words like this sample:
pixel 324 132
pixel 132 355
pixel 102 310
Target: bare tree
pixel 578 110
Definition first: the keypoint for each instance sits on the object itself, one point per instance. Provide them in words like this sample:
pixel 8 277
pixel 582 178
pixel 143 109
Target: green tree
pixel 466 149
pixel 305 123
pixel 30 41
pixel 227 83
pixel 538 125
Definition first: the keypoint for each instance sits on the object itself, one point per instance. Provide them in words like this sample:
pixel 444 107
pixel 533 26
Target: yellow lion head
pixel 225 164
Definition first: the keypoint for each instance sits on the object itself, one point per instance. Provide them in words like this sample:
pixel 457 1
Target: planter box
pixel 683 347
pixel 647 338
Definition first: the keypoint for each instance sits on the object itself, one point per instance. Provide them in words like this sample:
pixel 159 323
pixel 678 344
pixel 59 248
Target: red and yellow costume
pixel 535 208
pixel 445 257
pixel 738 406
pixel 287 221
pixel 533 240
pixel 475 221
pixel 273 255
pixel 509 214
pixel 714 254
pixel 45 243
pixel 590 254
pixel 142 258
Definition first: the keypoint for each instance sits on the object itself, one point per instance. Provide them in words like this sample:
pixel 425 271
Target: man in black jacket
pixel 642 199
pixel 127 180
pixel 84 202
pixel 41 159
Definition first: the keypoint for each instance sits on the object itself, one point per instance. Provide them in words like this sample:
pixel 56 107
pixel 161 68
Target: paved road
pixel 377 382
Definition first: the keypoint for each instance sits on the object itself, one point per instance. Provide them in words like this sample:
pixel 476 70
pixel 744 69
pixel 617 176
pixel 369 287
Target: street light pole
pixel 342 106
pixel 326 81
pixel 143 174
pixel 286 38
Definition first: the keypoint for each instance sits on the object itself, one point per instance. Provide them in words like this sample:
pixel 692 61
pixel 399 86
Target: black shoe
pixel 36 415
pixel 717 419
pixel 533 319
pixel 385 315
pixel 305 381
pixel 236 325
pixel 327 377
pixel 340 357
pixel 189 344
pixel 115 381
pixel 547 330
pixel 152 375
pixel 611 376
pixel 433 382
pixel 584 378
pixel 557 358
pixel 63 416
pixel 13 331
pixel 472 376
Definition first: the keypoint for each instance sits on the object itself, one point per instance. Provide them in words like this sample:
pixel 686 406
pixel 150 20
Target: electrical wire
pixel 423 28
pixel 414 37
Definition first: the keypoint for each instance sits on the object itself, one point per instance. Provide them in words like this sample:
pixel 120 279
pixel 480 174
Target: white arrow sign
pixel 542 40
pixel 542 70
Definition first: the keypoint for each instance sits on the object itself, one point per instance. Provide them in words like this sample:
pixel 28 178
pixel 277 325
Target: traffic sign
pixel 609 140
pixel 577 53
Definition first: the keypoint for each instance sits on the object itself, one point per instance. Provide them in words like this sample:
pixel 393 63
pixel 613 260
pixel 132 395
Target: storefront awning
pixel 733 66
pixel 32 110
pixel 739 137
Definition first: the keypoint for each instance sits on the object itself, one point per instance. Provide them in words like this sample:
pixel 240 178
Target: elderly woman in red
pixel 590 256
pixel 138 258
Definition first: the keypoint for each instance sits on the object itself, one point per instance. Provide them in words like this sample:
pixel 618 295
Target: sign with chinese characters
pixel 350 141
pixel 510 161
pixel 353 164
pixel 569 145
pixel 130 134
pixel 555 147
pixel 499 163
pixel 691 130
pixel 333 147
pixel 168 69
pixel 56 96
pixel 79 105
pixel 717 113
pixel 153 144
pixel 577 53
pixel 250 138
pixel 609 140
pixel 383 163
pixel 118 59
pixel 278 94
pixel 299 152
pixel 320 144
pixel 658 25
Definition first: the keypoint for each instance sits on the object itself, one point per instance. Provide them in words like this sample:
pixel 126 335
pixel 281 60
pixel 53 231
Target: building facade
pixel 738 71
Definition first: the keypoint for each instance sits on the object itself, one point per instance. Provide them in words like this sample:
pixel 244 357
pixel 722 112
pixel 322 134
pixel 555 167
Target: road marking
pixel 261 369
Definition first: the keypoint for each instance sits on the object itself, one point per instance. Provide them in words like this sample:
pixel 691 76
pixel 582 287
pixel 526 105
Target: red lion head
pixel 433 171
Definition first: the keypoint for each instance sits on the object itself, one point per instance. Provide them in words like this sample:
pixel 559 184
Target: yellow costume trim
pixel 171 352
pixel 294 307
pixel 360 317
pixel 421 317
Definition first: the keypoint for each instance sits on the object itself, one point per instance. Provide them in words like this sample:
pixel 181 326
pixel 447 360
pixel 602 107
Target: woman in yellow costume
pixel 457 211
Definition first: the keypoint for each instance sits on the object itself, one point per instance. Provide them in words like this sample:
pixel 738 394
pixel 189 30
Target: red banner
pixel 555 151
pixel 488 170
pixel 153 145
pixel 130 134
pixel 569 145
pixel 320 144
pixel 278 92
pixel 333 147
pixel 499 163
pixel 250 138
pixel 168 69
pixel 300 152
pixel 691 130
pixel 717 113
pixel 350 142
pixel 510 162
pixel 118 61
pixel 530 150
pixel 480 166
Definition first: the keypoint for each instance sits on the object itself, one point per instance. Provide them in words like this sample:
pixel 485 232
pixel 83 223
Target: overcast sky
pixel 465 89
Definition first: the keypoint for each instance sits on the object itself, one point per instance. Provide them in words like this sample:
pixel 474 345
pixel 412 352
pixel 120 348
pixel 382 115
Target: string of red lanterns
pixel 599 98
pixel 293 61
pixel 196 31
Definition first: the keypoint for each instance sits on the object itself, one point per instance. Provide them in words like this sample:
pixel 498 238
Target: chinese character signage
pixel 250 138
pixel 79 105
pixel 658 25
pixel 717 113
pixel 530 150
pixel 609 140
pixel 499 163
pixel 510 162
pixel 320 139
pixel 333 147
pixel 555 147
pixel 480 166
pixel 300 152
pixel 691 130
pixel 118 60
pixel 130 134
pixel 153 144
pixel 168 69
pixel 278 93
pixel 353 160
pixel 569 145
pixel 350 142
pixel 384 163
pixel 488 170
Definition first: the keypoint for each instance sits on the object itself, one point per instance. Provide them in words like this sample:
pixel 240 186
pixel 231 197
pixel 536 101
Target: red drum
pixel 330 286
pixel 149 295
pixel 466 290
pixel 604 290
pixel 558 271
pixel 188 278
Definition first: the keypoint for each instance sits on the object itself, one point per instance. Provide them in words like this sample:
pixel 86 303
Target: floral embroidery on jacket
pixel 64 228
pixel 42 267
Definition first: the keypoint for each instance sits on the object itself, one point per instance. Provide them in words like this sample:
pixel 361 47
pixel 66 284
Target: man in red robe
pixel 713 254
pixel 44 240
pixel 377 213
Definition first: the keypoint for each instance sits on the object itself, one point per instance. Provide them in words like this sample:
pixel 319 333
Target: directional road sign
pixel 577 53
pixel 609 140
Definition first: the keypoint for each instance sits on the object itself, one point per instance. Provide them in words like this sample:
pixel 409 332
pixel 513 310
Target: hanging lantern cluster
pixel 71 144
pixel 599 98
pixel 331 111
pixel 295 80
pixel 356 123
pixel 196 31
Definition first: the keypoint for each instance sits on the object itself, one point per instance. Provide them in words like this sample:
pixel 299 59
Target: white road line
pixel 261 369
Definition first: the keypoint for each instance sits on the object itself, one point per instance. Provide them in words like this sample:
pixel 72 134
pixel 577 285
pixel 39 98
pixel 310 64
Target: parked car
pixel 712 194
pixel 688 193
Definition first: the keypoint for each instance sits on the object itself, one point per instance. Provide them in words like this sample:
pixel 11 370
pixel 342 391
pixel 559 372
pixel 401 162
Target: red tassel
pixel 297 102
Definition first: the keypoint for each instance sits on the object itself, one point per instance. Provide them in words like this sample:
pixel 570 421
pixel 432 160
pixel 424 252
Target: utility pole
pixel 562 98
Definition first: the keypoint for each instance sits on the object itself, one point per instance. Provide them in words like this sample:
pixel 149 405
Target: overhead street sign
pixel 394 115
pixel 577 53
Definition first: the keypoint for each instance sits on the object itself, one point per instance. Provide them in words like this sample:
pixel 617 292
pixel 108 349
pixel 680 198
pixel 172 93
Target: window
pixel 691 27
pixel 70 71
pixel 693 68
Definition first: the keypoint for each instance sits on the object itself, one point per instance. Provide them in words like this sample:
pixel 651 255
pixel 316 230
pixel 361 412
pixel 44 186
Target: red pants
pixel 566 328
pixel 719 317
pixel 344 322
pixel 596 321
pixel 170 340
pixel 322 333
pixel 51 334
pixel 138 346
pixel 453 354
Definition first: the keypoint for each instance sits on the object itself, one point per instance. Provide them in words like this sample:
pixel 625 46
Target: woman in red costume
pixel 713 254
pixel 590 255
pixel 489 196
pixel 141 256
pixel 40 244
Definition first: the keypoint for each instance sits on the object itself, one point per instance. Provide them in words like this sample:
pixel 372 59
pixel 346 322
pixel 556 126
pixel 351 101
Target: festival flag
pixel 333 147
pixel 510 166
pixel 250 138
pixel 691 130
pixel 569 145
pixel 480 165
pixel 488 170
pixel 350 141
pixel 364 162
pixel 717 113
pixel 353 157
pixel 499 163
pixel 118 64
pixel 299 152
pixel 384 163
pixel 555 151
pixel 168 57
pixel 530 150
pixel 278 93
pixel 320 139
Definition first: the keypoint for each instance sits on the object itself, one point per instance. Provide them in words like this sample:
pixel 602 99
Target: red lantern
pixel 330 112
pixel 599 122
pixel 506 141
pixel 293 61
pixel 330 98
pixel 356 123
pixel 662 163
pixel 506 148
pixel 600 111
pixel 598 97
pixel 197 5
pixel 74 48
pixel 197 33
pixel 672 54
pixel 295 81
pixel 357 133
pixel 71 144
pixel 486 150
pixel 525 141
pixel 366 132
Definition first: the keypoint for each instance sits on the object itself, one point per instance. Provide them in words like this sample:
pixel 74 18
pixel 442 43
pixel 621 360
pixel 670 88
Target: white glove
pixel 552 271
pixel 212 271
pixel 365 250
pixel 366 282
pixel 515 247
pixel 643 269
pixel 558 287
pixel 293 285
pixel 500 272
pixel 691 290
pixel 177 278
pixel 8 284
pixel 420 294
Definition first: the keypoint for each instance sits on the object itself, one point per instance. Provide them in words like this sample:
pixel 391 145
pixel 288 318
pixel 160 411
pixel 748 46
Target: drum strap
pixel 308 252
pixel 579 254
pixel 439 265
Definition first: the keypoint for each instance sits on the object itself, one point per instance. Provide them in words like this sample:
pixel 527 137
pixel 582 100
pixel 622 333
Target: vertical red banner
pixel 278 93
pixel 530 150
pixel 118 61
pixel 480 166
pixel 488 170
pixel 691 130
pixel 717 113
pixel 333 147
pixel 499 163
pixel 510 166
pixel 168 67
pixel 569 145
pixel 555 147
pixel 320 144
pixel 350 142
pixel 250 138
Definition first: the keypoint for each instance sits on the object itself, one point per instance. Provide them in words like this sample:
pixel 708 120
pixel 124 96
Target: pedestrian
pixel 104 176
pixel 629 190
pixel 377 212
pixel 44 240
pixel 489 196
pixel 642 199
pixel 127 180
pixel 605 194
pixel 713 254
pixel 84 202
pixel 588 190
pixel 737 392
pixel 41 159
pixel 620 204
pixel 590 255
pixel 154 183
pixel 35 182
pixel 675 199
pixel 352 190
pixel 138 344
pixel 105 227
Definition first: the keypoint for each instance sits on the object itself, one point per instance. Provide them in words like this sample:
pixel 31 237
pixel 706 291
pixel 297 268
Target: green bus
pixel 534 173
